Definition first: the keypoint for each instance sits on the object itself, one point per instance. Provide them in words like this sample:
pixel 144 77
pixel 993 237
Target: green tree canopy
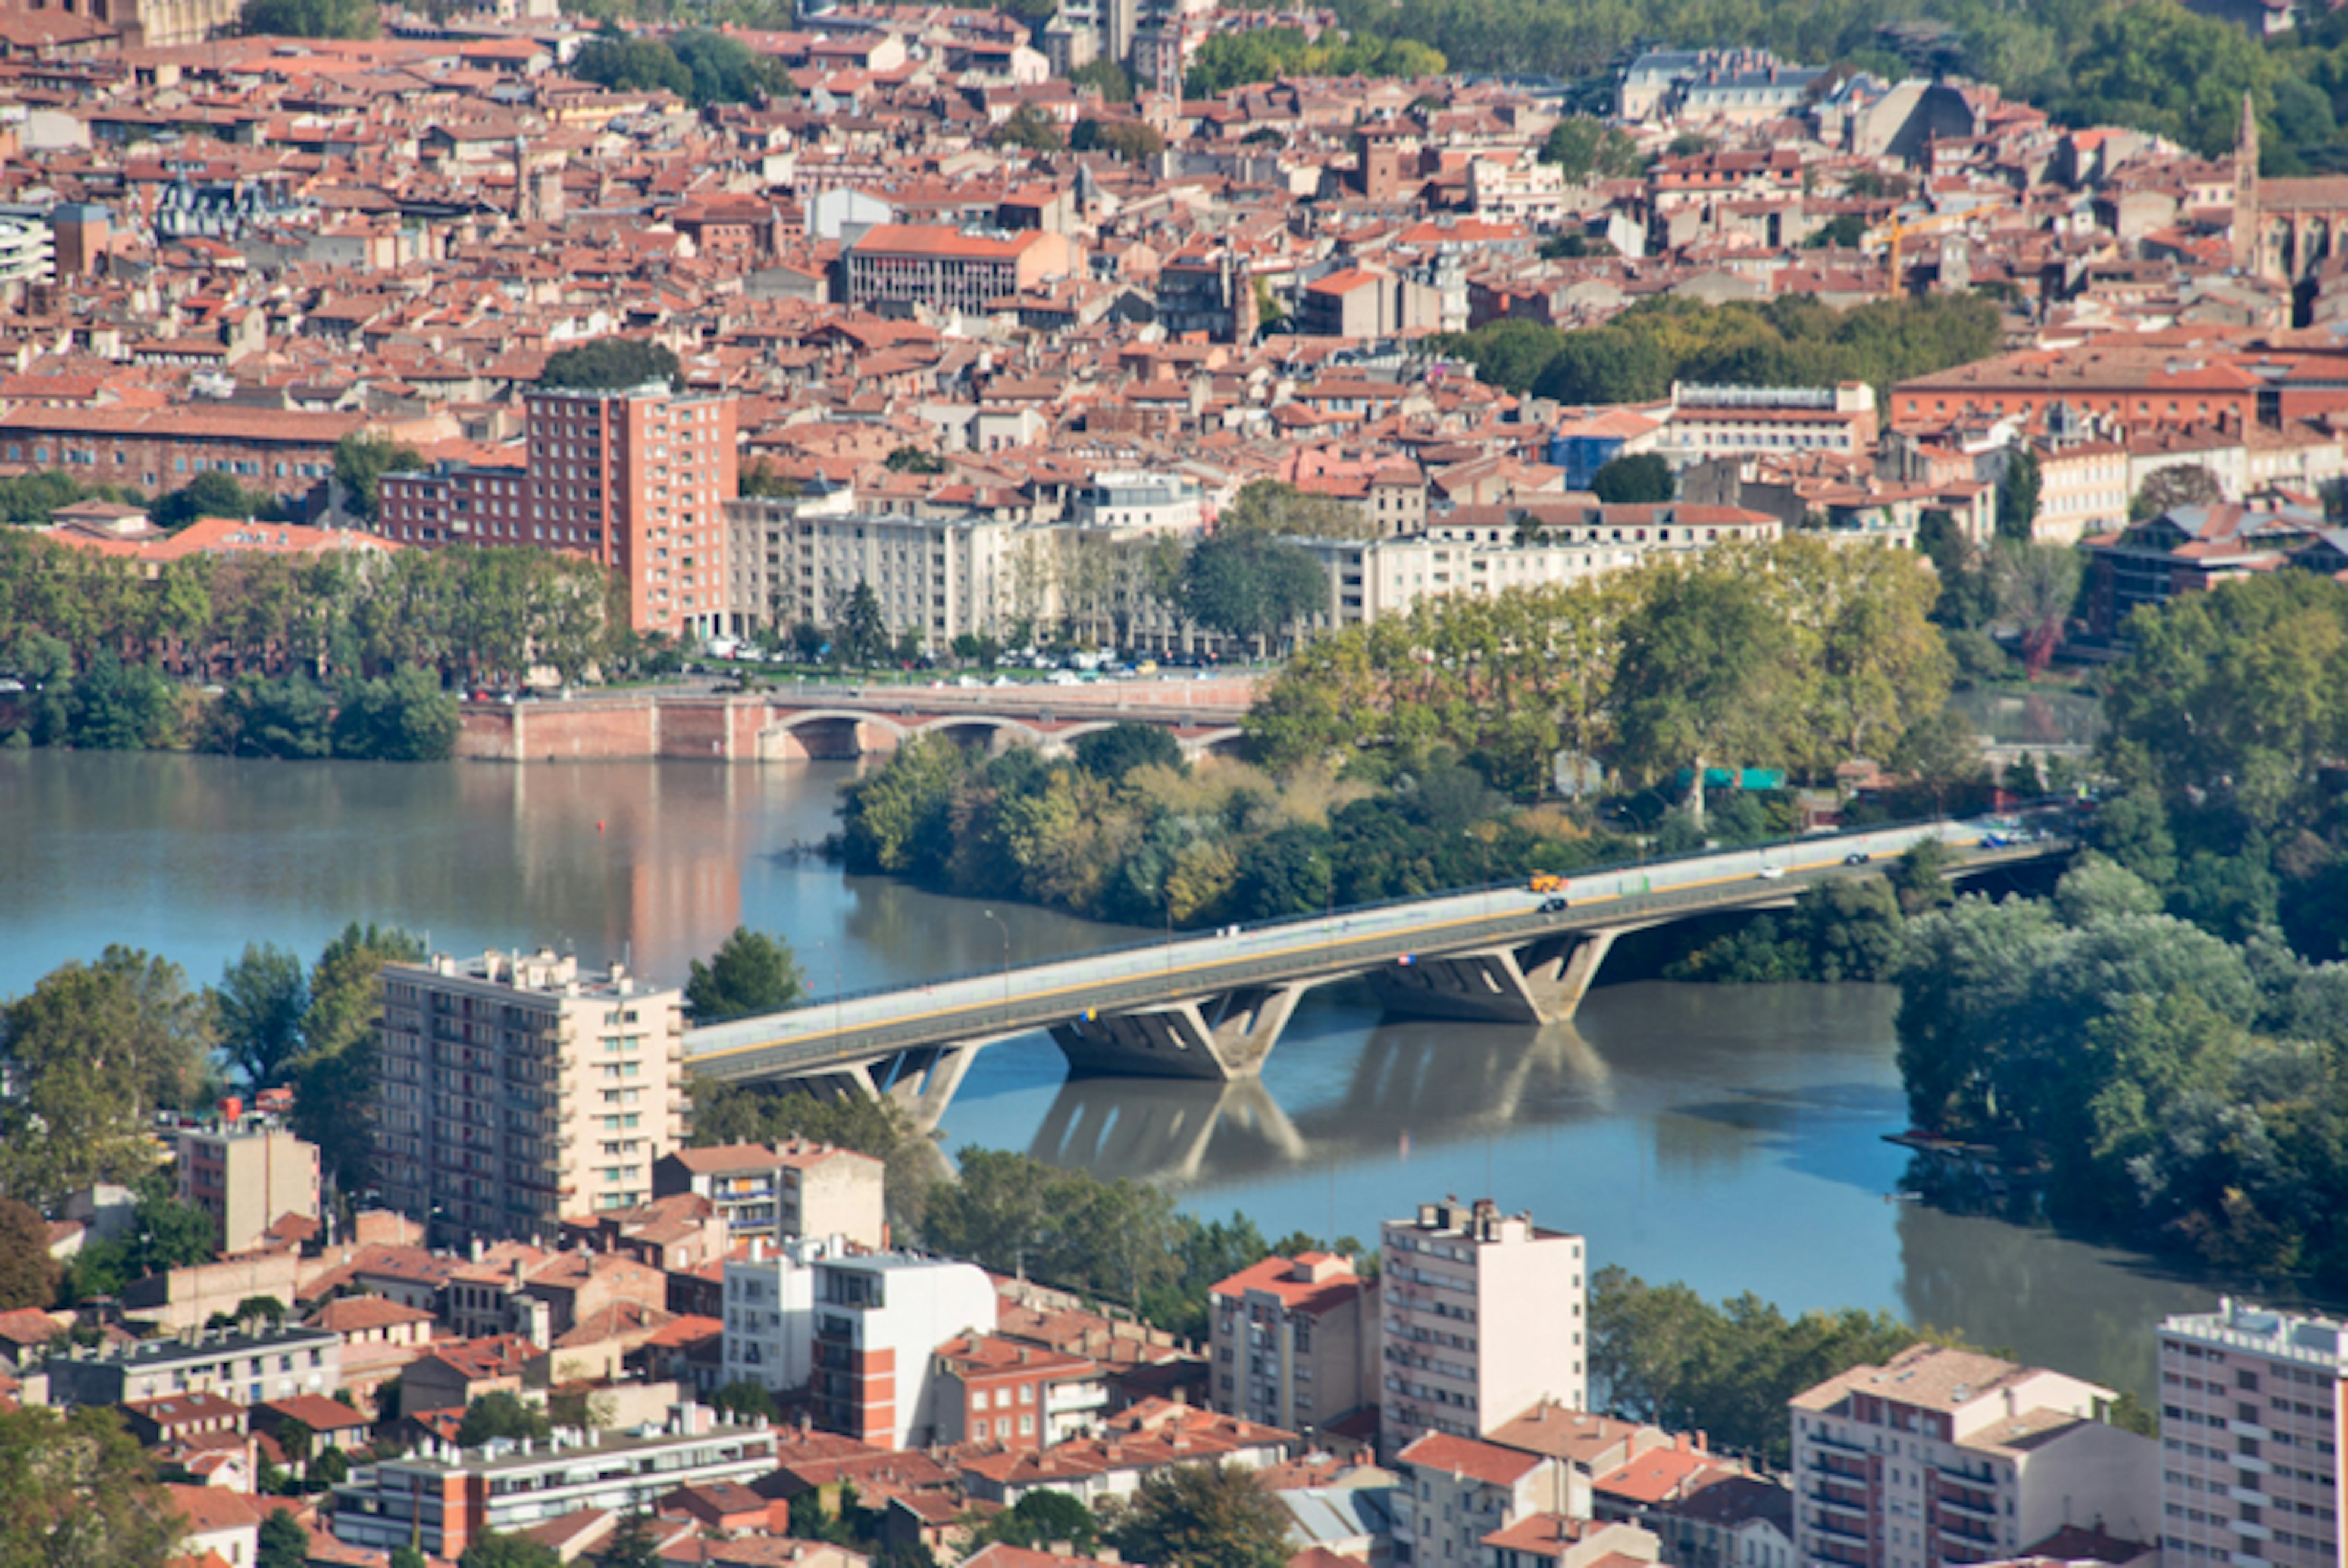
pixel 1113 753
pixel 310 18
pixel 1250 587
pixel 28 1275
pixel 1213 1515
pixel 76 1492
pixel 262 998
pixel 751 972
pixel 361 460
pixel 1644 479
pixel 499 1414
pixel 500 1548
pixel 610 364
pixel 1584 150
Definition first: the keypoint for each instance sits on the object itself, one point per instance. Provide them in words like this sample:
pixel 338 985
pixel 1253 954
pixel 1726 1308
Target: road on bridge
pixel 975 1008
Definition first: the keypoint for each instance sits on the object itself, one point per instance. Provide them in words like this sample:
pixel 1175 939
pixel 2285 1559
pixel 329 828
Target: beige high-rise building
pixel 1294 1340
pixel 2253 1425
pixel 1482 1317
pixel 247 1177
pixel 517 1090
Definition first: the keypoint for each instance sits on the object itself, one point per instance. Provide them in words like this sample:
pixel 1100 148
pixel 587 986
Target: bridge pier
pixel 1221 1037
pixel 1535 982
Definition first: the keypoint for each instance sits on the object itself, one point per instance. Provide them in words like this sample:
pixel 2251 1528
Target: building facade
pixel 442 1499
pixel 1293 1340
pixel 780 1191
pixel 248 1368
pixel 516 1092
pixel 247 1178
pixel 953 270
pixel 1456 1492
pixel 1949 1456
pixel 2253 1425
pixel 1482 1317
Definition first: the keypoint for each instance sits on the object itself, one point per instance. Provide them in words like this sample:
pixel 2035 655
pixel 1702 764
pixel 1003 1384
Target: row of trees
pixel 1794 655
pixel 469 615
pixel 1791 341
pixel 700 65
pixel 1228 60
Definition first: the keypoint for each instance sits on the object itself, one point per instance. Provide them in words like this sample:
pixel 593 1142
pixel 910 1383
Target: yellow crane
pixel 1901 224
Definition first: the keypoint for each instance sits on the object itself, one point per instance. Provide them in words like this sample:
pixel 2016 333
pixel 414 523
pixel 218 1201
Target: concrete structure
pixel 516 1092
pixel 1949 1456
pixel 1294 1340
pixel 247 1177
pixel 27 250
pixel 1482 1318
pixel 1717 421
pixel 1138 503
pixel 1212 1007
pixel 1457 1491
pixel 2253 1427
pixel 442 1498
pixel 248 1368
pixel 780 1191
pixel 635 479
pixel 953 270
pixel 861 1329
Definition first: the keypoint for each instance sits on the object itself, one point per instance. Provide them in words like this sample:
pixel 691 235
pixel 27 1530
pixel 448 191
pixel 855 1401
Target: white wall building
pixel 1483 1317
pixel 861 1328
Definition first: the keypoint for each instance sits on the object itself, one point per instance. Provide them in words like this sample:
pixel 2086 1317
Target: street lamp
pixel 1006 962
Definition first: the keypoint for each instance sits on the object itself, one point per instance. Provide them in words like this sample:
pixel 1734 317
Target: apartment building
pixel 1949 1456
pixel 281 452
pixel 1483 1317
pixel 1293 1340
pixel 953 270
pixel 1457 1491
pixel 637 480
pixel 938 576
pixel 441 1498
pixel 1020 1397
pixel 2253 1422
pixel 1138 503
pixel 1718 421
pixel 516 1092
pixel 247 1176
pixel 783 1189
pixel 861 1329
pixel 246 1367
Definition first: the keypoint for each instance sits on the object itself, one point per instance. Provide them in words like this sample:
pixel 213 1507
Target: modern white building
pixel 1949 1456
pixel 2253 1424
pixel 1483 1317
pixel 861 1328
pixel 1139 503
pixel 442 1498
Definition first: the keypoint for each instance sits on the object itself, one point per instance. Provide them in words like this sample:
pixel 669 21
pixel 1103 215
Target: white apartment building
pixel 937 576
pixel 783 1189
pixel 1139 503
pixel 1293 1340
pixel 516 1092
pixel 1723 421
pixel 2253 1421
pixel 1483 1317
pixel 1490 549
pixel 863 1328
pixel 1948 1456
pixel 442 1498
pixel 2083 488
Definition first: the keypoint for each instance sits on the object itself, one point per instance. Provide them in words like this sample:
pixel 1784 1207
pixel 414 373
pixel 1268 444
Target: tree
pixel 1044 1519
pixel 633 1545
pixel 76 1492
pixel 913 460
pixel 2017 498
pixel 1641 479
pixel 334 1077
pixel 1214 1516
pixel 261 1002
pixel 1844 231
pixel 862 634
pixel 1128 140
pixel 499 1549
pixel 1943 754
pixel 94 1049
pixel 1921 878
pixel 1706 675
pixel 1584 148
pixel 283 1542
pixel 1250 587
pixel 2036 586
pixel 1030 127
pixel 406 718
pixel 211 494
pixel 744 1400
pixel 610 364
pixel 28 1275
pixel 407 1557
pixel 310 18
pixel 1113 753
pixel 624 63
pixel 1105 76
pixel 500 1414
pixel 1272 508
pixel 720 69
pixel 751 972
pixel 361 460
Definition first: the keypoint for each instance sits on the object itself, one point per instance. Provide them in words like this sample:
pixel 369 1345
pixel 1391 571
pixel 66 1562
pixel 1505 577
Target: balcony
pixel 1957 1504
pixel 1840 1528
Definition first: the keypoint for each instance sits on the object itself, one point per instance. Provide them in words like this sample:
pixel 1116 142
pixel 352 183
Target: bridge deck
pixel 849 1031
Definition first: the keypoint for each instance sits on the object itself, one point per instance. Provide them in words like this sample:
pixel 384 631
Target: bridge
pixel 1211 1007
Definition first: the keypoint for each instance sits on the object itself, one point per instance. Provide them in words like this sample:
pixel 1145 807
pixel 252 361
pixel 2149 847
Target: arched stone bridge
pixel 834 728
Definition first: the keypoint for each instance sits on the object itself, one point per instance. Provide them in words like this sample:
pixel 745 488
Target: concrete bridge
pixel 1211 1007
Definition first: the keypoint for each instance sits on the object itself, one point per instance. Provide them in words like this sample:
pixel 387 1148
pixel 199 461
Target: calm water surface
pixel 1728 1136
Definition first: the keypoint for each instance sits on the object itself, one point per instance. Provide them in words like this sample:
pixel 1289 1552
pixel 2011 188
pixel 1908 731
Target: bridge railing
pixel 1952 827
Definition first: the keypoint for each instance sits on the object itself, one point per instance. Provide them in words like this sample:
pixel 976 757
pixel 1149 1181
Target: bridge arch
pixel 830 733
pixel 994 731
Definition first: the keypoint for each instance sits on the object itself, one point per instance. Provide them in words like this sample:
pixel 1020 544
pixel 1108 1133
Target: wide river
pixel 1728 1136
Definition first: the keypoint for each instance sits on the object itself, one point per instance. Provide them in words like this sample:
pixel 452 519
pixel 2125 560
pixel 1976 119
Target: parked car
pixel 1857 858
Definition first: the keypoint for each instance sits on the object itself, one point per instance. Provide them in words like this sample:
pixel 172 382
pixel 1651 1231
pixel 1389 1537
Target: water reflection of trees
pixel 2055 1302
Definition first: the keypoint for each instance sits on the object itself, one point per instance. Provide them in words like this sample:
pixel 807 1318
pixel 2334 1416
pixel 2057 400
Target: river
pixel 1728 1136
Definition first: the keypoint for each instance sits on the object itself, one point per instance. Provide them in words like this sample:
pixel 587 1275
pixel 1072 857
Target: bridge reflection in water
pixel 1434 1081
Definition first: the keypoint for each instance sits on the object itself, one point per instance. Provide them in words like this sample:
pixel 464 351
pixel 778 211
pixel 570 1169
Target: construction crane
pixel 1900 225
